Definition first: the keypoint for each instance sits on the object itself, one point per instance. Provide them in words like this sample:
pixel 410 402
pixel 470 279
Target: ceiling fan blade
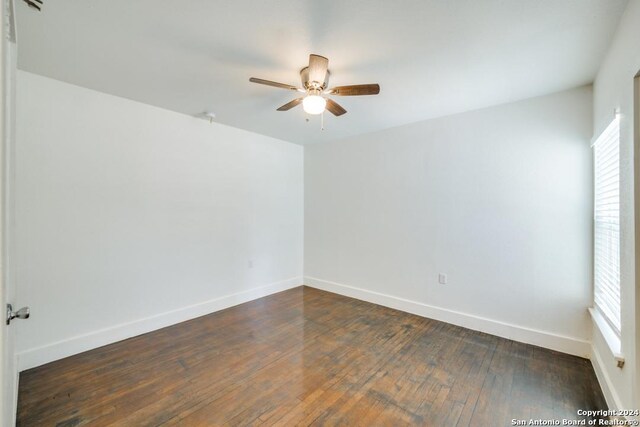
pixel 318 66
pixel 290 105
pixel 274 84
pixel 354 90
pixel 335 108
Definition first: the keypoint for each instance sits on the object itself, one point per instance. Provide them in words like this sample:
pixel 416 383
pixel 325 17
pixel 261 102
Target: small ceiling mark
pixel 207 115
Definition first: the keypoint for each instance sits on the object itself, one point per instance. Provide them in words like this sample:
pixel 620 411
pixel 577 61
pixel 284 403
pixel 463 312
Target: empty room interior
pixel 299 212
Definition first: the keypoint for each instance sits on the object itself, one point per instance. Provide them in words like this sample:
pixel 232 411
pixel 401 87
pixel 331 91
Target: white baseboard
pixel 608 390
pixel 48 353
pixel 564 344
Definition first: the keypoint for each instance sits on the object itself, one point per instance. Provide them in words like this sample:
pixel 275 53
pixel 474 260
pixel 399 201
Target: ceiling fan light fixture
pixel 314 104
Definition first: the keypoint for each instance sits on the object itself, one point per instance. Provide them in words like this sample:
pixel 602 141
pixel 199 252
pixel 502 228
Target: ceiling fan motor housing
pixel 304 77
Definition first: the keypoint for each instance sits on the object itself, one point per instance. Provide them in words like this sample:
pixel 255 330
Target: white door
pixel 8 368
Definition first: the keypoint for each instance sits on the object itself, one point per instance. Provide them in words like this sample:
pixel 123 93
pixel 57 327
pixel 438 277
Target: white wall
pixel 613 89
pixel 499 199
pixel 130 217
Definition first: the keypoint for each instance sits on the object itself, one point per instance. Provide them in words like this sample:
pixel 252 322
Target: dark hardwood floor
pixel 305 357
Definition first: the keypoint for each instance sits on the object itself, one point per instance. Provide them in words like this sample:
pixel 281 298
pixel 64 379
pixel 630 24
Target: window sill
pixel 611 338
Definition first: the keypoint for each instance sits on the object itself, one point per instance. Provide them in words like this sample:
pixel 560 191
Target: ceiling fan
pixel 315 83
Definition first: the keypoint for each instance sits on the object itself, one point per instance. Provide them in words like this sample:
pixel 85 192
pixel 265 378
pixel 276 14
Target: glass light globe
pixel 314 104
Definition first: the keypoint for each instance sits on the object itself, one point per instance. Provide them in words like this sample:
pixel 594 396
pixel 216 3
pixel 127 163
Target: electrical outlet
pixel 442 279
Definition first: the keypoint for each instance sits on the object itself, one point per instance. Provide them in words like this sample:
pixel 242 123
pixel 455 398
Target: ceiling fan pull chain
pixel 322 121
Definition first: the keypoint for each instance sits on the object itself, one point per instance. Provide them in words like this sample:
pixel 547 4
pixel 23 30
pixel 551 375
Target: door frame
pixel 636 207
pixel 8 68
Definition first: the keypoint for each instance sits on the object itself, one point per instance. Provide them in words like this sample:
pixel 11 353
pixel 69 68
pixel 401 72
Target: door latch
pixel 23 313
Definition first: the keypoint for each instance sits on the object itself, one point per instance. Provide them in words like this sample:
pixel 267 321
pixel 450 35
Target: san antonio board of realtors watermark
pixel 604 418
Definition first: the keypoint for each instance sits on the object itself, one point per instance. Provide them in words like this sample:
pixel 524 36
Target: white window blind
pixel 606 152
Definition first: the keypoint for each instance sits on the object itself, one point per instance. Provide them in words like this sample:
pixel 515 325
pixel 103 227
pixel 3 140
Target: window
pixel 606 152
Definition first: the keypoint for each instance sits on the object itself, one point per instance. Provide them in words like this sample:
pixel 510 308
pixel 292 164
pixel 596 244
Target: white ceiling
pixel 430 57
